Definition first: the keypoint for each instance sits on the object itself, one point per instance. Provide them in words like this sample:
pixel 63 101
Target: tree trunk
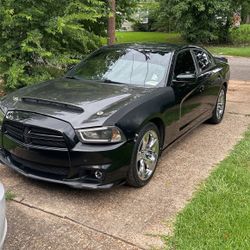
pixel 111 22
pixel 248 19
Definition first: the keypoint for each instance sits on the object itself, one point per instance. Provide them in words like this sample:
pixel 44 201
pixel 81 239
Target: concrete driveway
pixel 240 68
pixel 47 216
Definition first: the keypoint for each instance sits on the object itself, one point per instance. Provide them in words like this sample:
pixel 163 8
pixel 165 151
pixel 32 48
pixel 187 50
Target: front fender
pixel 135 115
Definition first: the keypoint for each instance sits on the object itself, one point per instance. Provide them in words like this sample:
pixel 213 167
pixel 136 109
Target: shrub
pixel 137 26
pixel 201 21
pixel 241 35
pixel 40 38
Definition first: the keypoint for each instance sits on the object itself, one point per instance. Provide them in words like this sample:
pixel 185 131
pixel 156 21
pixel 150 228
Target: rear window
pixel 205 61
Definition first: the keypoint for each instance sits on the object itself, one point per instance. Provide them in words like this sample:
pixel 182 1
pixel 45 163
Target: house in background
pixel 140 16
pixel 127 26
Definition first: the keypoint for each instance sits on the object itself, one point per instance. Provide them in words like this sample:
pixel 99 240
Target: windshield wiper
pixel 110 81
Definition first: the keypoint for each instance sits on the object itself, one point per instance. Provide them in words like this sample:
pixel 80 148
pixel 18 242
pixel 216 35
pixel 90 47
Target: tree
pixel 202 21
pixel 151 10
pixel 124 10
pixel 111 22
pixel 245 10
pixel 163 17
pixel 40 38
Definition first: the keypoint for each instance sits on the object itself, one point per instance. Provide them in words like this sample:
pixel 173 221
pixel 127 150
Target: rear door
pixel 209 78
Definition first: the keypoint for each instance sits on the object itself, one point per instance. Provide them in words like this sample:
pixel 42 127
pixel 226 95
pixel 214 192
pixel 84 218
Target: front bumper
pixel 79 183
pixel 80 166
pixel 24 147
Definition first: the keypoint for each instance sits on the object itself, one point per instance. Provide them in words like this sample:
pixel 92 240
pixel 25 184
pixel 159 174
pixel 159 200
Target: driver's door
pixel 188 91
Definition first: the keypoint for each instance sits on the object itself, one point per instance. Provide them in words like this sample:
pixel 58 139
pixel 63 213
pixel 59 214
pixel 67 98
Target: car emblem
pixel 15 99
pixel 10 115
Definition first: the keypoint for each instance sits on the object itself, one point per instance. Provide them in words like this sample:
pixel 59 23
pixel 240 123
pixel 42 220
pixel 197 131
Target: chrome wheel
pixel 220 105
pixel 147 155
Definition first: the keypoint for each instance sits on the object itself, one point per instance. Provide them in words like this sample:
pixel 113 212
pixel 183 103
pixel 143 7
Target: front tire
pixel 219 110
pixel 145 156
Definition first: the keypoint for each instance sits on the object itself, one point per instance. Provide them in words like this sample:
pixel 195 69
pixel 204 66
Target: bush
pixel 203 21
pixel 241 35
pixel 200 21
pixel 137 26
pixel 40 38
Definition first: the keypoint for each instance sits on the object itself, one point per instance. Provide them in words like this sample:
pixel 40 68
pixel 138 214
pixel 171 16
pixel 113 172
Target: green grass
pixel 9 195
pixel 231 51
pixel 218 217
pixel 160 37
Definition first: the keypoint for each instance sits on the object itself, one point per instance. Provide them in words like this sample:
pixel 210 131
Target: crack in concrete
pixel 241 114
pixel 78 223
pixel 238 102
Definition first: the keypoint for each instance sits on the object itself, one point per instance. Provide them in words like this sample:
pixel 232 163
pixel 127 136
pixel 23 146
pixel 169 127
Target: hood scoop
pixel 45 102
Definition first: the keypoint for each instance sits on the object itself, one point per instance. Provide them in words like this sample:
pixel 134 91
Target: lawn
pixel 160 37
pixel 243 51
pixel 219 214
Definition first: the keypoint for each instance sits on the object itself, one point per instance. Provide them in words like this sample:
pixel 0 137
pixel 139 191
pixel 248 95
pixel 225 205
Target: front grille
pixel 32 135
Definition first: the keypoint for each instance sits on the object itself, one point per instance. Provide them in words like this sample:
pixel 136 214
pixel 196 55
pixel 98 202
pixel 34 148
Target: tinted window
pixel 204 60
pixel 184 63
pixel 129 66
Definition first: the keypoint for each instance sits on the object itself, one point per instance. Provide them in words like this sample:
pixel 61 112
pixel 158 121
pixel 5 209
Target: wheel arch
pixel 225 84
pixel 160 125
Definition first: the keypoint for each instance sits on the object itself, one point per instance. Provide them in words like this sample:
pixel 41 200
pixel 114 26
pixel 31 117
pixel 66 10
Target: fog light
pixel 99 174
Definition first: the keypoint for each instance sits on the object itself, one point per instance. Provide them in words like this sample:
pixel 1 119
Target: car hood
pixel 81 103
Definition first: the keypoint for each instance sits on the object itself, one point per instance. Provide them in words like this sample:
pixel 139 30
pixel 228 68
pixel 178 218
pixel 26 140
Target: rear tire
pixel 145 156
pixel 219 110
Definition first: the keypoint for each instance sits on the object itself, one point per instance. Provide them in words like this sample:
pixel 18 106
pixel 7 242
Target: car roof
pixel 154 47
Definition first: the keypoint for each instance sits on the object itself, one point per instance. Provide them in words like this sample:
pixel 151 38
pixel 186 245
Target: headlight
pixel 100 135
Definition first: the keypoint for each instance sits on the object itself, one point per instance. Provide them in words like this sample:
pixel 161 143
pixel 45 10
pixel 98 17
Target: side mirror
pixel 186 77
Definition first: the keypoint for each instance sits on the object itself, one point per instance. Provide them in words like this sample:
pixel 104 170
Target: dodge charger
pixel 108 119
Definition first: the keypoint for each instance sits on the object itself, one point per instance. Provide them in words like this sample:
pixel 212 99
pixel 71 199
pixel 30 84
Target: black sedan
pixel 107 121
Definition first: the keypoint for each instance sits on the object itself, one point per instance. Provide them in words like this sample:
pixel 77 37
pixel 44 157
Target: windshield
pixel 129 66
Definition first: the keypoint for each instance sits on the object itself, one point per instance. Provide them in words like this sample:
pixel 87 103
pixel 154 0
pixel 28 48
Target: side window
pixel 204 60
pixel 184 64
